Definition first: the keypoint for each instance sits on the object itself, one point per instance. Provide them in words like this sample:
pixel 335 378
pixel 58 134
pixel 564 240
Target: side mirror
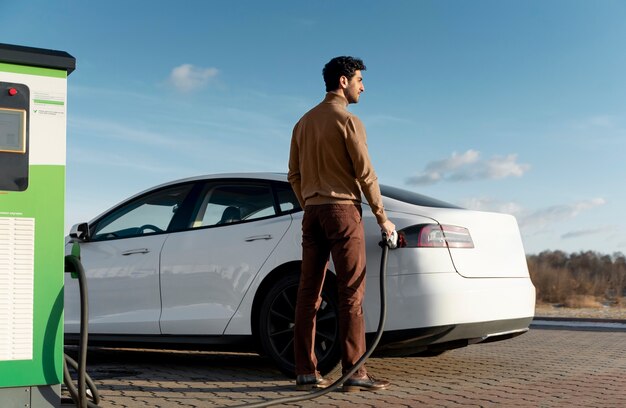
pixel 80 232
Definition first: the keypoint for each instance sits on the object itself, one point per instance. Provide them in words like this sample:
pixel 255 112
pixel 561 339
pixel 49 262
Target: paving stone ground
pixel 542 368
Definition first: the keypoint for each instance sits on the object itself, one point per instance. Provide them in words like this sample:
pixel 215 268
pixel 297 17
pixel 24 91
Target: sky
pixel 509 106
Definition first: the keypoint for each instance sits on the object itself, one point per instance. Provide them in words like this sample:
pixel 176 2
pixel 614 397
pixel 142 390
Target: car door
pixel 206 270
pixel 121 262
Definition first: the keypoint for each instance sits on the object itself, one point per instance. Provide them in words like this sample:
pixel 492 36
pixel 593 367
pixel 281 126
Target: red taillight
pixel 457 237
pixel 431 236
pixel 435 236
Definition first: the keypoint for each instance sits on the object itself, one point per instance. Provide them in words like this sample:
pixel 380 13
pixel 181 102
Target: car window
pixel 229 203
pixel 287 200
pixel 149 214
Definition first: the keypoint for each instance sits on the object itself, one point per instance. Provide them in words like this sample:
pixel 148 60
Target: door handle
pixel 258 237
pixel 136 251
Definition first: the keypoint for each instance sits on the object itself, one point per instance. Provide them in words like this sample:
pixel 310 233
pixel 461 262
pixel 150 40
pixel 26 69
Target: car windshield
pixel 413 198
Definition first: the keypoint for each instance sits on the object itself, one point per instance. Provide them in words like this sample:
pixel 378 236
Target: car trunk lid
pixel 498 250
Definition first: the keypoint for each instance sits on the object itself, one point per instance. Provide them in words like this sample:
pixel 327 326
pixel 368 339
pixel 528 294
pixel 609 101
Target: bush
pixel 584 279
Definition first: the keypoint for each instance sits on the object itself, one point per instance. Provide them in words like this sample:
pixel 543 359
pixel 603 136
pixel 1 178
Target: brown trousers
pixel 331 229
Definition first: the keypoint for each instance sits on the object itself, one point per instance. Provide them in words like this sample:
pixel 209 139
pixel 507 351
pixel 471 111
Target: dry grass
pixel 582 301
pixel 580 280
pixel 605 312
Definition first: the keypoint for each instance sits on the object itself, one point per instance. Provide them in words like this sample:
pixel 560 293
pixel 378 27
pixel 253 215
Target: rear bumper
pixel 457 307
pixel 442 338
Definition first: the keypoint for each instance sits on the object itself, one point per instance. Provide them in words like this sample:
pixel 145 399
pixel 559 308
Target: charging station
pixel 33 109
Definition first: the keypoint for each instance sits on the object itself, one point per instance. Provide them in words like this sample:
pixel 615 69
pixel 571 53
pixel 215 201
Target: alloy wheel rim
pixel 281 324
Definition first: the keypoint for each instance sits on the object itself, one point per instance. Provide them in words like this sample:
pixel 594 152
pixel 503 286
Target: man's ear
pixel 343 81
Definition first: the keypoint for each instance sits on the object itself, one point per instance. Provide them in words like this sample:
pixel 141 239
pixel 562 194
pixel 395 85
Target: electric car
pixel 213 262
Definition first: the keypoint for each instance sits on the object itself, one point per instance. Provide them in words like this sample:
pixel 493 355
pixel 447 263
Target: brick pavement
pixel 543 368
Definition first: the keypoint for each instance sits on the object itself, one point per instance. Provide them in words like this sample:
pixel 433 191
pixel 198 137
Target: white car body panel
pixel 414 284
pixel 427 300
pixel 123 286
pixel 496 238
pixel 206 272
pixel 289 250
pixel 425 287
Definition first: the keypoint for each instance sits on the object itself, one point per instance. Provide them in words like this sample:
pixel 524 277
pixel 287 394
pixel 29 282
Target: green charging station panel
pixel 33 115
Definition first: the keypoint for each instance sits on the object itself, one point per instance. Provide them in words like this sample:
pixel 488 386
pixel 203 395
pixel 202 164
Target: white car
pixel 213 262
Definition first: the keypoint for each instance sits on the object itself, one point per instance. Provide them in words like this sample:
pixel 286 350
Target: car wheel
pixel 276 326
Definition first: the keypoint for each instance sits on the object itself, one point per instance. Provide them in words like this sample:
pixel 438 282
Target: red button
pixel 12 91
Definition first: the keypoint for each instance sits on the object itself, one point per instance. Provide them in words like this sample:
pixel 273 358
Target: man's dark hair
pixel 338 67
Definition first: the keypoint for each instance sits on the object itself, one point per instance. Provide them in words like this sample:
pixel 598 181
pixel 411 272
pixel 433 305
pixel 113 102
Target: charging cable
pixel 388 242
pixel 79 395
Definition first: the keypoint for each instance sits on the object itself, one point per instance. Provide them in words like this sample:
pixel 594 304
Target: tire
pixel 276 323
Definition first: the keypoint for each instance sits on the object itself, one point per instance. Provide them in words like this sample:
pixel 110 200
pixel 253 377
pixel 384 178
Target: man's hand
pixel 387 228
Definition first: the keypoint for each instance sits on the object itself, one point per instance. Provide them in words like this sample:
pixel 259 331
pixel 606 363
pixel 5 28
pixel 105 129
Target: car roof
pixel 248 175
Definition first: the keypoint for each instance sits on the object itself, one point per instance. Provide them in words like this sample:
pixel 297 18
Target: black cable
pixel 67 378
pixel 359 363
pixel 79 396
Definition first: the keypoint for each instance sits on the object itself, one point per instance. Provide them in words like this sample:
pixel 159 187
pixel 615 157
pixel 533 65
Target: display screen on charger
pixel 12 130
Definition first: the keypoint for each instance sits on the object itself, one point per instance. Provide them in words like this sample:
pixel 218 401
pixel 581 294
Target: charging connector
pixel 392 240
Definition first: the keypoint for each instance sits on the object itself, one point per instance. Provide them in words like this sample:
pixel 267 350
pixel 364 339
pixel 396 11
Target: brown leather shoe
pixel 309 382
pixel 366 383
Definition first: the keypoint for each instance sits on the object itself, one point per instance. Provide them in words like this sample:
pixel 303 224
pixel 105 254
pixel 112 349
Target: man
pixel 329 167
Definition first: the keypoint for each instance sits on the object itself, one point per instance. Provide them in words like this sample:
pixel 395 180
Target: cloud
pixel 539 218
pixel 134 163
pixel 469 166
pixel 187 77
pixel 598 122
pixel 488 204
pixel 582 233
pixel 548 215
pixel 118 130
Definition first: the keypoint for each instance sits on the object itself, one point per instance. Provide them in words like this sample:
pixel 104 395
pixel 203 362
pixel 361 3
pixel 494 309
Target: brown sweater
pixel 329 162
